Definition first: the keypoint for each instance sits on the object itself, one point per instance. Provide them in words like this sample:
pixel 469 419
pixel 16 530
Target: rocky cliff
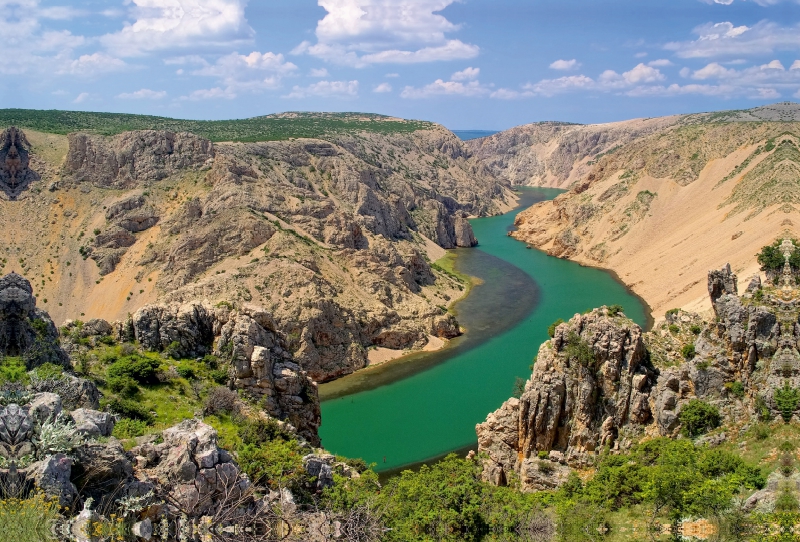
pixel 601 383
pixel 333 237
pixel 662 204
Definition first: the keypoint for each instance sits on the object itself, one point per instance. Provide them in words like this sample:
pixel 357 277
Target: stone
pixel 52 475
pixel 15 172
pixel 143 529
pixel 93 423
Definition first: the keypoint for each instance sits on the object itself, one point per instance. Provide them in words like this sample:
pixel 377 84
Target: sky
pixel 467 64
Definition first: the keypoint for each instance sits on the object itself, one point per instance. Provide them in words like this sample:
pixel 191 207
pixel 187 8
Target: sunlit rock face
pixel 15 174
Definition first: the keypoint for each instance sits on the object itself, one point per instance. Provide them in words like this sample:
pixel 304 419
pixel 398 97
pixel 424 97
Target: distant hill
pixel 278 127
pixel 662 200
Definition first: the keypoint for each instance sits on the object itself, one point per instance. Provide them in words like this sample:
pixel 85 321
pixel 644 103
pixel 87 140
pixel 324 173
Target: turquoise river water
pixel 418 408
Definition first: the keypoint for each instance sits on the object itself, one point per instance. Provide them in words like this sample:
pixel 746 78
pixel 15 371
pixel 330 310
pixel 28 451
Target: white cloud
pixel 143 94
pixel 551 87
pixel 795 65
pixel 643 74
pixel 726 40
pixel 660 63
pixel 383 87
pixel 237 73
pixel 467 74
pixel 82 97
pixel 318 72
pixel 774 65
pixel 392 75
pixel 210 94
pixel 565 65
pixel 797 94
pixel 180 24
pixel 440 87
pixel 714 71
pixel 640 55
pixel 363 32
pixel 326 89
pixel 766 94
pixel 93 64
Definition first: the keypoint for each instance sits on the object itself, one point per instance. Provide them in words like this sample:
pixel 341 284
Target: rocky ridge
pixel 334 238
pixel 602 383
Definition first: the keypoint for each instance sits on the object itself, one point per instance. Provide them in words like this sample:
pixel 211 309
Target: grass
pixel 267 128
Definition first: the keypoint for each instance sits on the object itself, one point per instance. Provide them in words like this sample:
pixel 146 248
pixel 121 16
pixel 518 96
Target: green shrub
pixel 551 329
pixel 519 388
pixel 49 371
pixel 143 370
pixel 258 432
pixel 695 329
pixel 698 417
pixel 220 376
pixel 762 410
pixel 674 329
pixel 579 350
pixel 735 388
pixel 186 371
pixel 688 351
pixel 761 431
pixel 786 399
pixel 615 310
pixel 131 409
pixel 670 313
pixel 275 464
pixel 124 385
pixel 13 370
pixel 174 350
pixel 127 428
pixel 212 362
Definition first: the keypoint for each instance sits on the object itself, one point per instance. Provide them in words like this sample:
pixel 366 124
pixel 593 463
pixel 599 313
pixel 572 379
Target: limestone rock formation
pixel 601 382
pixel 15 172
pixel 26 331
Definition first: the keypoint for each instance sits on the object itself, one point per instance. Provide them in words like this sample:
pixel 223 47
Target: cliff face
pixel 668 204
pixel 601 382
pixel 334 238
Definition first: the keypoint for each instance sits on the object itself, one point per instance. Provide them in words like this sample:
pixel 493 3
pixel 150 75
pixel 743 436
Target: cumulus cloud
pixel 181 24
pixel 795 65
pixel 565 65
pixel 143 94
pixel 210 94
pixel 383 88
pixel 364 32
pixel 660 63
pixel 236 73
pixel 716 40
pixel 82 97
pixel 318 72
pixel 94 64
pixel 466 75
pixel 326 89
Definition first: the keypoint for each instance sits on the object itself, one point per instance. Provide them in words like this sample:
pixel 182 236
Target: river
pixel 421 407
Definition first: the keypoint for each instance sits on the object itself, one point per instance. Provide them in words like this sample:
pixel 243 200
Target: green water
pixel 419 408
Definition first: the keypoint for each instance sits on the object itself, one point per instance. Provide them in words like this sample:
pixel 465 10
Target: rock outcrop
pixel 26 331
pixel 601 383
pixel 15 172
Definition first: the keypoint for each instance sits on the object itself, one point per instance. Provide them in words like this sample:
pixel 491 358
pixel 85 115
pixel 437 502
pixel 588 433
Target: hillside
pixel 658 201
pixel 335 238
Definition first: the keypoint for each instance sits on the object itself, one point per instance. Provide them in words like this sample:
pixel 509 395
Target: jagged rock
pixel 101 469
pixel 25 330
pixel 44 406
pixel 132 157
pixel 15 173
pixel 320 466
pixel 93 423
pixel 52 476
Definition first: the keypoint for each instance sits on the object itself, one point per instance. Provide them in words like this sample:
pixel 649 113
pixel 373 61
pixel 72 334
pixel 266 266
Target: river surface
pixel 421 407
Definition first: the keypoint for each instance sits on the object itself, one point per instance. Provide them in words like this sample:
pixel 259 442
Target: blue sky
pixel 469 64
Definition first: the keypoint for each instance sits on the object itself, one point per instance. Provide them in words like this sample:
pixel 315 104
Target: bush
pixel 615 310
pixel 761 431
pixel 13 370
pixel 762 410
pixel 143 370
pixel 688 351
pixel 212 362
pixel 735 388
pixel 698 417
pixel 220 376
pixel 551 329
pixel 49 371
pixel 131 409
pixel 185 371
pixel 221 400
pixel 786 399
pixel 579 350
pixel 695 329
pixel 174 350
pixel 519 388
pixel 124 385
pixel 258 432
pixel 674 329
pixel 127 428
pixel 276 464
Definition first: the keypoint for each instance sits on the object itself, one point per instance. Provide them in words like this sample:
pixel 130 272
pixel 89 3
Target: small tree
pixel 698 417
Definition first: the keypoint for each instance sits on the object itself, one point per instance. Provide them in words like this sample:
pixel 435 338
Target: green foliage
pixel 127 428
pixel 186 371
pixel 786 399
pixel 124 385
pixel 219 376
pixel 276 464
pixel 671 312
pixel 130 409
pixel 49 371
pixel 698 417
pixel 688 351
pixel 174 350
pixel 140 368
pixel 762 409
pixel 615 310
pixel 272 128
pixel 519 388
pixel 551 329
pixel 260 431
pixel 579 350
pixel 695 329
pixel 735 388
pixel 771 258
pixel 674 329
pixel 39 326
pixel 13 370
